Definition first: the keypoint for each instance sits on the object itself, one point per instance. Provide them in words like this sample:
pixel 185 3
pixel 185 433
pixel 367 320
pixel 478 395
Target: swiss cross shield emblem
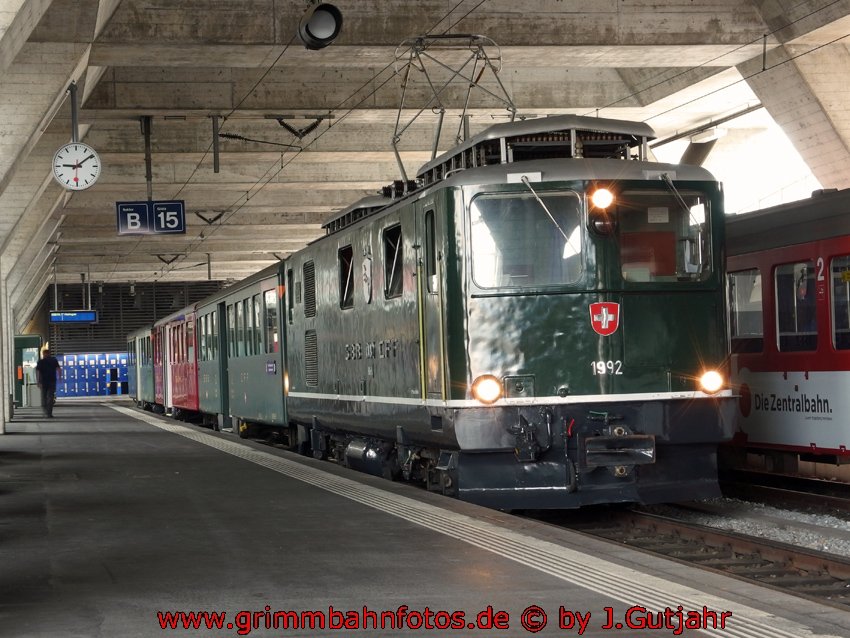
pixel 605 317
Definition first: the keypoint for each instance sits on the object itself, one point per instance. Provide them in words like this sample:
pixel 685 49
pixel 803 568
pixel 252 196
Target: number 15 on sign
pixel 169 217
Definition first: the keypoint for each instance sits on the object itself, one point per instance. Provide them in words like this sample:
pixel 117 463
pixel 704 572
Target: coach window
pixel 796 316
pixel 190 342
pixel 258 325
pixel 346 277
pixel 393 285
pixel 249 326
pixel 214 335
pixel 239 346
pixel 208 350
pixel 212 338
pixel 840 269
pixel 270 298
pixel 746 318
pixel 231 331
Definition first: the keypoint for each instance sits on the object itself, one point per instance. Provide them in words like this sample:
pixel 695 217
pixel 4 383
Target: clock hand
pixel 85 160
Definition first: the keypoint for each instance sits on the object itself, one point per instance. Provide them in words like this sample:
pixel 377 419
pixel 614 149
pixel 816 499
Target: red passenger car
pixel 176 367
pixel 789 294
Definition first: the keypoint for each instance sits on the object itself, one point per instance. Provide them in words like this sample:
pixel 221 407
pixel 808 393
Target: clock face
pixel 76 166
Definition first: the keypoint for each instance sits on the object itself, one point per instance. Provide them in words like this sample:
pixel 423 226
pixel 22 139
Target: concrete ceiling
pixel 675 64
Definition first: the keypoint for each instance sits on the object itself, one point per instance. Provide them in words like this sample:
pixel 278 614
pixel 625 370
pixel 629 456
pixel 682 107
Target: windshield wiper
pixel 543 206
pixel 681 200
pixel 691 268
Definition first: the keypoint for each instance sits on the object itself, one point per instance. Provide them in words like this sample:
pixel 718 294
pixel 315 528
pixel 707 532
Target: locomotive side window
pixel 517 242
pixel 796 318
pixel 346 277
pixel 746 318
pixel 840 269
pixel 392 262
pixel 431 251
pixel 290 294
pixel 663 237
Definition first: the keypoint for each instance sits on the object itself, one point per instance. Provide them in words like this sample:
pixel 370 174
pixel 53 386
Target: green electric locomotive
pixel 536 322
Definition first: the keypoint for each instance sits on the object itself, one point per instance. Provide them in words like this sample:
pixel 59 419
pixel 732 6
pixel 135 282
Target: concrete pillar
pixel 6 351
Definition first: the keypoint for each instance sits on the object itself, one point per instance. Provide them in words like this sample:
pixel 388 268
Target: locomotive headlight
pixel 487 389
pixel 711 381
pixel 602 198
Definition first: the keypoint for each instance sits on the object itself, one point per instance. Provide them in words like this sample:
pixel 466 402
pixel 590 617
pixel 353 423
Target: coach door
pixel 429 280
pixel 167 370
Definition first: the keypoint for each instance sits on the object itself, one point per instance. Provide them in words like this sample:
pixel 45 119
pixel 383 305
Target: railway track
pixel 810 574
pixel 785 490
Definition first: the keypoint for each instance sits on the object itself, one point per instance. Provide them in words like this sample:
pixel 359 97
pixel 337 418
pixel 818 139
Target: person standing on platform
pixel 47 371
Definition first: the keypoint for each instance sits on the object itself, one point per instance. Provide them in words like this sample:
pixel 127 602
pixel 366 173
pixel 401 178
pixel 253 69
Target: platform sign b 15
pixel 151 217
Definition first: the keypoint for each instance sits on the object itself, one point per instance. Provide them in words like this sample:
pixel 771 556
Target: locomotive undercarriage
pixel 394 461
pixel 565 456
pixel 554 456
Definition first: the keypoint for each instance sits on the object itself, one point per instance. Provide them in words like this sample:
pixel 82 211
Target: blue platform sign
pixel 169 217
pixel 73 316
pixel 151 218
pixel 133 218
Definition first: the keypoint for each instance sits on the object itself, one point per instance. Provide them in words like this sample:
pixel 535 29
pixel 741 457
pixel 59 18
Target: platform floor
pixel 111 517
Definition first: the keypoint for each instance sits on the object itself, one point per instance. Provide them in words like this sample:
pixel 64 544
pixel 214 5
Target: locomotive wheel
pixel 391 468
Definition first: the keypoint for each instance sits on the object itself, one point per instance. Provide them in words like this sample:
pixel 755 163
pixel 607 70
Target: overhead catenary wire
pixel 665 80
pixel 263 181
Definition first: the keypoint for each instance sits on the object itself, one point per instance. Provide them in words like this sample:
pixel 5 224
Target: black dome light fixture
pixel 320 26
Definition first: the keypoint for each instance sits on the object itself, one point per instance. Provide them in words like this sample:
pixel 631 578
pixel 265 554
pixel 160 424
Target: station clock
pixel 76 166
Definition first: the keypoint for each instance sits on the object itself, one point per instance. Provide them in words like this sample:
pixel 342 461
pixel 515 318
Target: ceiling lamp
pixel 320 26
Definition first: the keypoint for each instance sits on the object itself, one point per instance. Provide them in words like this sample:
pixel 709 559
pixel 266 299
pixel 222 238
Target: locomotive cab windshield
pixel 663 237
pixel 522 240
pixel 535 239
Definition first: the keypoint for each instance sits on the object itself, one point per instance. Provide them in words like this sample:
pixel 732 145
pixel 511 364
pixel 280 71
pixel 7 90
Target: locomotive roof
pixel 820 216
pixel 568 170
pixel 356 211
pixel 634 133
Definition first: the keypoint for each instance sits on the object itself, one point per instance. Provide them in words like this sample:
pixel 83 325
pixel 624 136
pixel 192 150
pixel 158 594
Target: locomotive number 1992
pixel 606 367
